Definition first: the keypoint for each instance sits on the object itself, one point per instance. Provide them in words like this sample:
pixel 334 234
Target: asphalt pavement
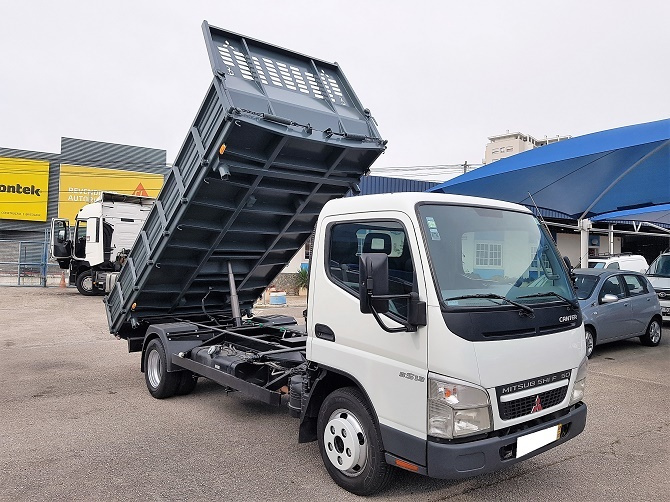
pixel 77 423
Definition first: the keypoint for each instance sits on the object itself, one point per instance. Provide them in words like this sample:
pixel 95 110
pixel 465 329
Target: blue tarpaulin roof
pixel 659 215
pixel 613 170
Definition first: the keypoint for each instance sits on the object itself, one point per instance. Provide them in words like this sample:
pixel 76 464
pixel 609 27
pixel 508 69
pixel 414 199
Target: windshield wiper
pixel 493 296
pixel 573 304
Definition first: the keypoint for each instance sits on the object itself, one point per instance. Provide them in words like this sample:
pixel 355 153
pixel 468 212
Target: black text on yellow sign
pixel 24 189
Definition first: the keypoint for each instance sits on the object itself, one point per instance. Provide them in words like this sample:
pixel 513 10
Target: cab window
pixel 348 241
pixel 80 239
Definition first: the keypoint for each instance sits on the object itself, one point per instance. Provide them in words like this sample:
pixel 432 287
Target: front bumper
pixel 454 461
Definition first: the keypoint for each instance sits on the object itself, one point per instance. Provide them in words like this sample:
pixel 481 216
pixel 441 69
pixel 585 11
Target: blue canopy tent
pixel 658 215
pixel 613 170
pixel 583 177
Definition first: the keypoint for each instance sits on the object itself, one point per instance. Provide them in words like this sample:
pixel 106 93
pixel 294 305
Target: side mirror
pixel 568 263
pixel 609 299
pixel 373 280
pixel 416 314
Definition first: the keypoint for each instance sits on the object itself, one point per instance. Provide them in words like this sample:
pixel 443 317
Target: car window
pixel 635 284
pixel 614 265
pixel 612 286
pixel 585 285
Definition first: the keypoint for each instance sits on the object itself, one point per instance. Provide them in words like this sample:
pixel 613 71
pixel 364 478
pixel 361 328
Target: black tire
pixel 187 382
pixel 84 284
pixel 653 335
pixel 590 345
pixel 160 382
pixel 348 437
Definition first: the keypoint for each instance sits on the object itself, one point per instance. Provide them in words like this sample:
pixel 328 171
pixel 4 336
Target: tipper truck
pixel 442 332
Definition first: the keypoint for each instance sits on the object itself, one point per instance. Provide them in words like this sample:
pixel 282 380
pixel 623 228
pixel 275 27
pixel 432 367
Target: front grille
pixel 520 407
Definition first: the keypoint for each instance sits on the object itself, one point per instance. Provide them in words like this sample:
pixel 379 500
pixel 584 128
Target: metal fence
pixel 26 263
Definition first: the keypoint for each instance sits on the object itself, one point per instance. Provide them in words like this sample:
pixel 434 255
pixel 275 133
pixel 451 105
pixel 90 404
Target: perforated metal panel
pixel 287 152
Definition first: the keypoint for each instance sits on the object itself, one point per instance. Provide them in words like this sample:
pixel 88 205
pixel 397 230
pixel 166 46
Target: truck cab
pixel 103 233
pixel 475 343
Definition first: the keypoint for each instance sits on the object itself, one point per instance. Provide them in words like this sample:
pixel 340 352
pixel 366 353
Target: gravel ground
pixel 77 423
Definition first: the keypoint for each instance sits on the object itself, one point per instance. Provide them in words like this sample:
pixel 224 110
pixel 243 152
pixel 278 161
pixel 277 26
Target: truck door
pixel 61 244
pixel 88 241
pixel 390 367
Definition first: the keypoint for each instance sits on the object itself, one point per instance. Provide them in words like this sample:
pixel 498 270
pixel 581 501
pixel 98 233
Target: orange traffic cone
pixel 62 280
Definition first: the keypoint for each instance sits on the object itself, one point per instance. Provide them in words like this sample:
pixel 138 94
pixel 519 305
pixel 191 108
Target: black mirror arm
pixel 406 326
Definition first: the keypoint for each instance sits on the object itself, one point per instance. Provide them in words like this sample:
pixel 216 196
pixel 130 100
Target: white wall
pixel 568 245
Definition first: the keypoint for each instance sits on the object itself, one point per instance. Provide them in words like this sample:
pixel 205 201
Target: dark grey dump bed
pixel 295 136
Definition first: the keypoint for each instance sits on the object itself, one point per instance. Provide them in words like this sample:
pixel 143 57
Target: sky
pixel 440 77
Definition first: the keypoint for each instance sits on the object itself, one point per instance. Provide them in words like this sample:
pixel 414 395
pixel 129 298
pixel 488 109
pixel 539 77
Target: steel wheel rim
pixel 345 443
pixel 87 283
pixel 654 332
pixel 154 368
pixel 589 342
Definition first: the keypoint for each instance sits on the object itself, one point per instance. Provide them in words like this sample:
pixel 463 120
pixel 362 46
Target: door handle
pixel 324 332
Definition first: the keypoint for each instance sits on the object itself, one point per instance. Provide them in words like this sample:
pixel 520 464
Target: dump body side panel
pixel 295 137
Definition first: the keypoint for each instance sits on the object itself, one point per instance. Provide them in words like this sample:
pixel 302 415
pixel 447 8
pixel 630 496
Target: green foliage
pixel 303 278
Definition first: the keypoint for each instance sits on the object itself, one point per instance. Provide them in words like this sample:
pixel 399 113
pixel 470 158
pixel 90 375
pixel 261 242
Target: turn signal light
pixel 406 465
pixel 132 307
pixel 222 149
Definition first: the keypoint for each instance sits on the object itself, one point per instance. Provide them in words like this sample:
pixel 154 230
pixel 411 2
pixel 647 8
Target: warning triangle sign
pixel 140 191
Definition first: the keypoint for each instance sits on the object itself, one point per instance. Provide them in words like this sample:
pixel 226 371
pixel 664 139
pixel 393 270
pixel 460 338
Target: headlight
pixel 580 382
pixel 457 409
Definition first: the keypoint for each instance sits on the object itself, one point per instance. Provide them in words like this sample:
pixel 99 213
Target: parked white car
pixel 659 276
pixel 632 262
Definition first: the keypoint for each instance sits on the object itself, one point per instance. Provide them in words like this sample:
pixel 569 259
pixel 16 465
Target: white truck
pixel 103 234
pixel 442 332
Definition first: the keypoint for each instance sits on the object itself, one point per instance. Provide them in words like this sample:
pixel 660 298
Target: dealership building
pixel 38 186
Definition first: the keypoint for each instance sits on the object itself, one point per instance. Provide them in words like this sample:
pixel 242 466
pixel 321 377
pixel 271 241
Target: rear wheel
pixel 350 443
pixel 653 335
pixel 187 382
pixel 590 337
pixel 84 284
pixel 160 382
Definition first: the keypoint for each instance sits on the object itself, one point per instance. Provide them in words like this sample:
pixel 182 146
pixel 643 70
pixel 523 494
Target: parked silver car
pixel 617 304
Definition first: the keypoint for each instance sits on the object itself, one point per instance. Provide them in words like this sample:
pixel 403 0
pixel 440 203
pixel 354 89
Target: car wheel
pixel 350 443
pixel 653 335
pixel 84 284
pixel 160 382
pixel 590 337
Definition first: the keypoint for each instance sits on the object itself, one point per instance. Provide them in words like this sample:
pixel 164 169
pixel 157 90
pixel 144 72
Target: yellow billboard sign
pixel 81 185
pixel 24 189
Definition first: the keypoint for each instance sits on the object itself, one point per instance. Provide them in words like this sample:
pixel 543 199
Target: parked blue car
pixel 617 304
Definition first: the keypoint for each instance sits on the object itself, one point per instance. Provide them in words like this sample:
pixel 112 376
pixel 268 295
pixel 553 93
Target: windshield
pixel 660 266
pixel 596 264
pixel 585 285
pixel 488 252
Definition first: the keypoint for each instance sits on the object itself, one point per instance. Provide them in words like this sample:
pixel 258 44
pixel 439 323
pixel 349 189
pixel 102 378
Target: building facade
pixel 36 187
pixel 511 143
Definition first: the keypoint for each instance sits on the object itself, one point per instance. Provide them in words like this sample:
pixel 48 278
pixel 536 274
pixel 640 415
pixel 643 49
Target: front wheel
pixel 653 335
pixel 590 341
pixel 350 443
pixel 84 284
pixel 160 382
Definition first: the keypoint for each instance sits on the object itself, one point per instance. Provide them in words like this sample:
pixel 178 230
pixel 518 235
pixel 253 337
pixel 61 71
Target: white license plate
pixel 531 442
pixel 665 311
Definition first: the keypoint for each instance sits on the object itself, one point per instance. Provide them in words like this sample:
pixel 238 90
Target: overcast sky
pixel 439 77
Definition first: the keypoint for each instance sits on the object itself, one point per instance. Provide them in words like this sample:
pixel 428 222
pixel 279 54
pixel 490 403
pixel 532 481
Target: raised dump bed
pixel 277 136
